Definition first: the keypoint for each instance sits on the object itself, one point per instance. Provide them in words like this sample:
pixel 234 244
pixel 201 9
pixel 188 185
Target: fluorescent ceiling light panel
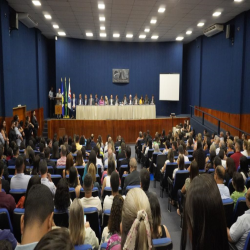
pixel 47 16
pixel 55 26
pixel 116 35
pixel 217 13
pixel 61 33
pixel 147 30
pixel 102 28
pixel 103 34
pixel 200 24
pixel 36 3
pixel 102 18
pixel 154 37
pixel 142 36
pixel 238 0
pixel 89 34
pixel 161 10
pixel 179 38
pixel 153 21
pixel 101 6
pixel 129 35
pixel 189 32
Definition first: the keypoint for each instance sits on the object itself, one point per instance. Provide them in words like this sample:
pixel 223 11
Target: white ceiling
pixel 76 17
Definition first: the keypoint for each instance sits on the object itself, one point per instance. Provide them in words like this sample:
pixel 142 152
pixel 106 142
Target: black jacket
pixel 131 180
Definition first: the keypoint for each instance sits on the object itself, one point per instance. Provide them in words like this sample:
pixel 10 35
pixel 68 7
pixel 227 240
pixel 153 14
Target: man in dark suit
pixel 134 177
pixel 34 122
pixel 91 100
pixel 73 106
pixel 116 100
pixel 136 100
pixel 80 100
pixel 152 102
pixel 12 133
pixel 92 143
pixel 96 100
pixel 85 101
pixel 47 158
pixel 111 100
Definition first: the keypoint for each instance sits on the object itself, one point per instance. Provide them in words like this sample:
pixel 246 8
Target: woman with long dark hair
pixel 74 181
pixel 92 159
pixel 230 170
pixel 62 196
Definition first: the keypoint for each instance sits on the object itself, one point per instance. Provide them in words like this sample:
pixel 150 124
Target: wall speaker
pixel 14 21
pixel 229 31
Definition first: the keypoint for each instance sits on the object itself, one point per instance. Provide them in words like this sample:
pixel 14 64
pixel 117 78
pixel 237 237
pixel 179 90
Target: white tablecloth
pixel 128 112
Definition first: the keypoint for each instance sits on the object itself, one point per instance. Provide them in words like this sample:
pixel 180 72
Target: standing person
pixel 59 102
pixel 111 100
pixel 152 102
pixel 12 133
pixel 34 122
pixel 4 133
pixel 96 100
pixel 91 100
pixel 80 100
pixel 51 106
pixel 73 106
pixel 85 102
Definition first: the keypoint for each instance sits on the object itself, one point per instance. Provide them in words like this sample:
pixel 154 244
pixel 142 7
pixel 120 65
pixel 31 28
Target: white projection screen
pixel 169 87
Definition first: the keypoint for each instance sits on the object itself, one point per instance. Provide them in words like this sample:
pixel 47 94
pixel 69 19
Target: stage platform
pixel 128 129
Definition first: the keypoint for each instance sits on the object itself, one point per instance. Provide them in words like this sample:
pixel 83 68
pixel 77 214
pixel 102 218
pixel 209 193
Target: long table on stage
pixel 127 112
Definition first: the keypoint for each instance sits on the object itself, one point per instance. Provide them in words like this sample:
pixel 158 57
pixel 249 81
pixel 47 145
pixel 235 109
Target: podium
pixel 58 107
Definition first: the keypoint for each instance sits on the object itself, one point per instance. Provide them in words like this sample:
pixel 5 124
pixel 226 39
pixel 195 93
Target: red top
pixel 7 201
pixel 236 157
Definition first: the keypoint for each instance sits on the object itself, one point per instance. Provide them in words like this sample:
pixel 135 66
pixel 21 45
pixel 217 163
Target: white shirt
pixel 223 163
pixel 30 246
pixel 217 151
pixel 130 101
pixel 19 181
pixel 50 94
pixel 245 153
pixel 74 102
pixel 49 184
pixel 240 229
pixel 108 201
pixel 224 191
pixel 92 202
pixel 90 238
pixel 99 162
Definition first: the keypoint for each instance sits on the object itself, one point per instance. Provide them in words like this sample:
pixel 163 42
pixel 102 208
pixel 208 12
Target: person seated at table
pixel 106 100
pixel 152 102
pixel 116 100
pixel 91 100
pixel 73 105
pixel 101 101
pixel 111 100
pixel 146 101
pixel 130 101
pixel 136 100
pixel 125 101
pixel 141 101
pixel 96 100
pixel 80 101
pixel 85 102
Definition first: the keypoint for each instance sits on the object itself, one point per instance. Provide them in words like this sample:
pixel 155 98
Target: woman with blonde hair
pixel 92 172
pixel 246 148
pixel 28 151
pixel 106 100
pixel 79 159
pixel 80 232
pixel 69 164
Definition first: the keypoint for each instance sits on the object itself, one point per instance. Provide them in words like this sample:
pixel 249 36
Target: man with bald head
pixel 239 231
pixel 219 175
pixel 134 177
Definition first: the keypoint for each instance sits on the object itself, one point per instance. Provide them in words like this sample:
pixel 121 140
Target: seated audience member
pixel 210 233
pixel 230 169
pixel 35 170
pixel 74 181
pixel 216 141
pixel 19 181
pixel 78 145
pixel 145 180
pixel 239 186
pixel 49 145
pixel 62 197
pixel 46 177
pixel 115 219
pixel 243 169
pixel 170 159
pixel 47 158
pixel 12 161
pixel 174 148
pixel 156 148
pixel 199 155
pixel 62 160
pixel 98 157
pixel 111 169
pixel 239 231
pixel 79 159
pixel 6 200
pixel 158 230
pixel 219 175
pixel 35 179
pixel 149 146
pixel 55 153
pixel 236 156
pixel 92 159
pixel 73 148
pixel 127 155
pixel 122 154
pixel 55 239
pixel 181 152
pixel 110 156
pixel 230 147
pixel 181 165
pixel 38 216
pixel 92 142
pixel 136 213
pixel 92 172
pixel 5 183
pixel 189 144
pixel 41 149
pixel 134 177
pixel 7 240
pixel 89 200
pixel 106 154
pixel 69 164
pixel 88 145
pixel 80 232
pixel 221 146
pixel 216 162
pixel 246 148
pixel 223 157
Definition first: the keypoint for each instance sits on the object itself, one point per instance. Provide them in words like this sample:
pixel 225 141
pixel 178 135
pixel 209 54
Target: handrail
pixel 219 120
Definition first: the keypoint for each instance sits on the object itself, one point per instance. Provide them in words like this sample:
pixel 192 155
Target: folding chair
pixel 162 244
pixel 123 168
pixel 228 205
pixel 93 219
pixel 239 209
pixel 5 220
pixel 106 215
pixel 17 194
pixel 61 218
pixel 160 160
pixel 95 192
pixel 16 220
pixel 119 163
pixel 83 247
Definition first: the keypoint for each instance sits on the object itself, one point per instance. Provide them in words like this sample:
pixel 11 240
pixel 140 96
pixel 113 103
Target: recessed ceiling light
pixel 47 16
pixel 161 10
pixel 37 3
pixel 102 28
pixel 142 36
pixel 103 34
pixel 154 37
pixel 101 6
pixel 61 33
pixel 238 0
pixel 200 24
pixel 179 38
pixel 89 34
pixel 55 26
pixel 147 30
pixel 116 35
pixel 129 35
pixel 102 18
pixel 217 13
pixel 189 32
pixel 153 21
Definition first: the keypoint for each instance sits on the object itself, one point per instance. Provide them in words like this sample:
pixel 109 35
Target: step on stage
pixel 128 129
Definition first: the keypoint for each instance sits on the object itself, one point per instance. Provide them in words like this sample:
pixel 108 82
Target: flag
pixel 66 101
pixel 69 96
pixel 62 98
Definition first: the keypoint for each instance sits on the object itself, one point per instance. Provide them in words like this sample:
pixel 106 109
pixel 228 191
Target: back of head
pixel 133 163
pixel 181 162
pixel 136 212
pixel 92 172
pixel 128 152
pixel 47 152
pixel 76 223
pixel 181 150
pixel 220 172
pixel 238 182
pixel 77 138
pixel 43 167
pixel 69 161
pixel 41 147
pixel 111 165
pixel 145 179
pixel 217 161
pixel 35 179
pixel 243 165
pixel 63 150
pixel 194 169
pixel 92 157
pixel 204 218
pixel 19 164
pixel 87 183
pixel 114 181
pixel 62 197
pixel 55 239
pixel 38 205
pixel 73 178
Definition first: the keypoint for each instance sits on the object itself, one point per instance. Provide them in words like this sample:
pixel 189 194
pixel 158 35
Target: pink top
pixel 61 161
pixel 101 102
